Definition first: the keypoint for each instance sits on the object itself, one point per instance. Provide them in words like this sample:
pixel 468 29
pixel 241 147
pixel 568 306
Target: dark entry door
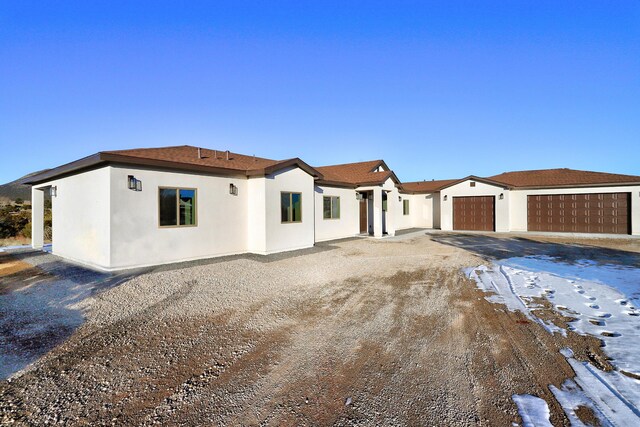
pixel 363 215
pixel 475 213
pixel 580 213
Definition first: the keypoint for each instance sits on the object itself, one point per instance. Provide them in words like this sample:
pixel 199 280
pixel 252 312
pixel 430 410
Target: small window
pixel 472 183
pixel 405 207
pixel 177 207
pixel 291 207
pixel 331 207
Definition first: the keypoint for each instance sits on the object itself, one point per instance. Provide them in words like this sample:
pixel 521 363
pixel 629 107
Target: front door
pixel 363 215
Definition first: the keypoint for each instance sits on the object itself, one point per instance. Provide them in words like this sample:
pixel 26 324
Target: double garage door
pixel 580 213
pixel 607 213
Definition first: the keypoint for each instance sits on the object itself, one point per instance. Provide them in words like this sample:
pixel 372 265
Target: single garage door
pixel 474 213
pixel 580 213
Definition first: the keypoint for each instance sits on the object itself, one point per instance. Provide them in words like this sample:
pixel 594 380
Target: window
pixel 177 207
pixel 472 184
pixel 290 207
pixel 331 207
pixel 405 207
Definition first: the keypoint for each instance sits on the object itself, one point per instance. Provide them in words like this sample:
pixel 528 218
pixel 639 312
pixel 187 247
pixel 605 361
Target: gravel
pixel 355 332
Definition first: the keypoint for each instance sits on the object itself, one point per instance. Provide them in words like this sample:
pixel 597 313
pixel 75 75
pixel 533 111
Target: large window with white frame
pixel 177 207
pixel 331 207
pixel 290 207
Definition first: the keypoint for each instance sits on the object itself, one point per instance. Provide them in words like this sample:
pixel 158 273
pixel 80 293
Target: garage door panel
pixel 580 213
pixel 475 213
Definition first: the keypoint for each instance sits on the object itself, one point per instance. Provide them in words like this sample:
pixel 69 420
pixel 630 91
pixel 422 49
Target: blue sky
pixel 437 89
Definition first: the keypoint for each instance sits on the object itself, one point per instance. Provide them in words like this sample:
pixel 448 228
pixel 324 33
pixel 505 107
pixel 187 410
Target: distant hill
pixel 16 189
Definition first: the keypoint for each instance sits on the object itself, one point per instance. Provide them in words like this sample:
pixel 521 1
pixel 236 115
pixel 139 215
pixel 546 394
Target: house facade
pixel 550 200
pixel 133 208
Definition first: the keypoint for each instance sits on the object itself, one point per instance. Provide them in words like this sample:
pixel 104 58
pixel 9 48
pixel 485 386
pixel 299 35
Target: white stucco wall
pixel 518 203
pixel 288 236
pixel 80 211
pixel 347 225
pixel 420 211
pixel 481 189
pixel 138 240
pixel 256 216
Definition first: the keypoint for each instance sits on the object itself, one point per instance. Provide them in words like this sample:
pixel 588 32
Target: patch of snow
pixel 570 397
pixel 615 407
pixel 566 352
pixel 599 310
pixel 602 299
pixel 624 278
pixel 14 247
pixel 533 410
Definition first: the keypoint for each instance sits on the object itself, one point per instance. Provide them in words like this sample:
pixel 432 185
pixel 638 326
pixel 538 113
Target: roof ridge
pixel 352 163
pixel 147 148
pixel 562 169
pixel 430 180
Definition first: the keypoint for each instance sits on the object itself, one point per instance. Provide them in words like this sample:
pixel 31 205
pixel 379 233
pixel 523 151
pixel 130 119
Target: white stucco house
pixel 133 208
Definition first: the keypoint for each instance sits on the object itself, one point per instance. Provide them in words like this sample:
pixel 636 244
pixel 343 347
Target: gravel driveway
pixel 357 332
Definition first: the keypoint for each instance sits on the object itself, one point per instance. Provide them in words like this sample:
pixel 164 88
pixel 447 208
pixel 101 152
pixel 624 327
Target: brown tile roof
pixel 355 174
pixel 425 186
pixel 183 157
pixel 187 154
pixel 561 178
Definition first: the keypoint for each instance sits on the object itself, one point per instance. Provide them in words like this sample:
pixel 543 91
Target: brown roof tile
pixel 183 157
pixel 561 177
pixel 355 174
pixel 425 186
pixel 187 154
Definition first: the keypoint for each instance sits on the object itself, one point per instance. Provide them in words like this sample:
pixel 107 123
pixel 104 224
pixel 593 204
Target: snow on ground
pixel 13 248
pixel 533 410
pixel 602 299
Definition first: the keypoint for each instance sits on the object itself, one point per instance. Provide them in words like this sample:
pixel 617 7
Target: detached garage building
pixel 550 200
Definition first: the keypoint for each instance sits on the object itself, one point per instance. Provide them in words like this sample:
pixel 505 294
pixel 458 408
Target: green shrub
pixel 26 231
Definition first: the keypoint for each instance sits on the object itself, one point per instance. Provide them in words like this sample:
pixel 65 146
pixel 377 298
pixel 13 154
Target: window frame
pixel 405 207
pixel 195 200
pixel 290 209
pixel 331 217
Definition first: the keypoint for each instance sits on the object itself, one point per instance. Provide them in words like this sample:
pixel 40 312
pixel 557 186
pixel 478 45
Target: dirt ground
pixel 358 332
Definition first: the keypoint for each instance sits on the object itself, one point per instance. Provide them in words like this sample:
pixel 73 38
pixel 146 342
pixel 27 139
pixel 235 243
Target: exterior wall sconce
pixel 399 198
pixel 359 196
pixel 53 191
pixel 233 189
pixel 501 196
pixel 133 183
pixel 445 198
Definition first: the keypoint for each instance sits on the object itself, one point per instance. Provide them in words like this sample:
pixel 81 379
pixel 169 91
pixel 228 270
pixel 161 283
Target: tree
pixel 19 201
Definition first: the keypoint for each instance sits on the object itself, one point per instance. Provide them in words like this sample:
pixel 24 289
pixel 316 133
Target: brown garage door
pixel 474 213
pixel 580 213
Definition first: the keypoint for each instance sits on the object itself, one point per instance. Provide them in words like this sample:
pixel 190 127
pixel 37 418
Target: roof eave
pixel 338 184
pixel 67 168
pixel 602 184
pixel 419 191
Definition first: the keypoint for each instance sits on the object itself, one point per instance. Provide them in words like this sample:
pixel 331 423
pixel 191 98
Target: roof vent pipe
pixel 215 154
pixel 227 154
pixel 199 152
